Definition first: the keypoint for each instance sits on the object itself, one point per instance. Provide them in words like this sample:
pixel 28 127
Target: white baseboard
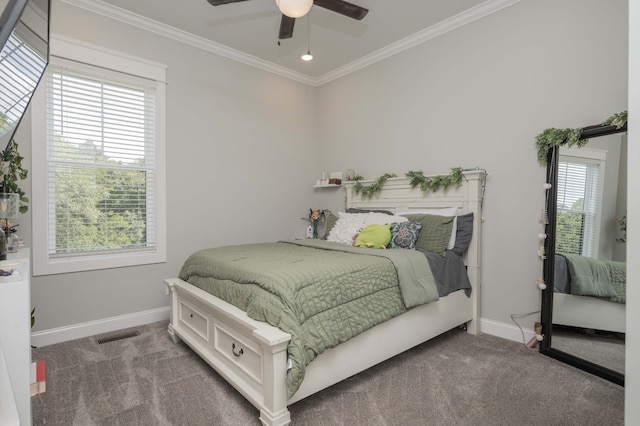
pixel 505 330
pixel 91 328
pixel 78 331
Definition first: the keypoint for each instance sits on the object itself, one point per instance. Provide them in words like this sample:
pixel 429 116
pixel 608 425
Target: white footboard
pixel 250 355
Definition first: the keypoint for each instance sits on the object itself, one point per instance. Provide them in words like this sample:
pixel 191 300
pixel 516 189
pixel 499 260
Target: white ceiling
pixel 248 30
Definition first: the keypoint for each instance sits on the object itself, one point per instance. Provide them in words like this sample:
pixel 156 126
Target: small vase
pixel 13 242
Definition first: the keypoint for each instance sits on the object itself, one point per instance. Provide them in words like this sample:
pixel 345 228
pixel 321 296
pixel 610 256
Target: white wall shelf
pixel 327 185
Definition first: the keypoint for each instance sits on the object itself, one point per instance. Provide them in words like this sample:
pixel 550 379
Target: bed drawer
pixel 237 348
pixel 194 319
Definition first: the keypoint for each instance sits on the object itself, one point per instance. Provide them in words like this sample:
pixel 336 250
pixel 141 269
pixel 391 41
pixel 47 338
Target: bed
pixel 253 356
pixel 589 293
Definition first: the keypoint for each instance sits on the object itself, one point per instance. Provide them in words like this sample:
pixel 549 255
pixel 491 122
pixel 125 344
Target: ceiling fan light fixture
pixel 294 8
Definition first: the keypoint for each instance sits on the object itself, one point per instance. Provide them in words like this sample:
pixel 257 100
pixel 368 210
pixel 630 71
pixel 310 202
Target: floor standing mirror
pixel 583 305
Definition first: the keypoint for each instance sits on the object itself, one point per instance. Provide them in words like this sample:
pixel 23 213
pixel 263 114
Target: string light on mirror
pixel 308 56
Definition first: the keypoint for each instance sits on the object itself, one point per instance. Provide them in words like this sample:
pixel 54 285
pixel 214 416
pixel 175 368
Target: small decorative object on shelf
pixel 349 175
pixel 13 241
pixel 329 179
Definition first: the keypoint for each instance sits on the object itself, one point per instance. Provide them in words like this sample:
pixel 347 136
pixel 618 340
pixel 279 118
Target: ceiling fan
pixel 347 9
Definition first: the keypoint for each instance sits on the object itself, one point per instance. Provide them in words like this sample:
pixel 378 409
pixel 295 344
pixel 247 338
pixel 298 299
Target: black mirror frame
pixel 546 315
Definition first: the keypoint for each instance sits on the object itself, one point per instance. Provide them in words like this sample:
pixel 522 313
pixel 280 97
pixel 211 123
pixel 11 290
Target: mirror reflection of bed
pixel 589 262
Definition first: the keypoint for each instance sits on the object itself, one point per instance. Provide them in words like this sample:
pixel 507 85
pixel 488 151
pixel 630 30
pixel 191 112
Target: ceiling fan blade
pixel 286 27
pixel 221 2
pixel 344 8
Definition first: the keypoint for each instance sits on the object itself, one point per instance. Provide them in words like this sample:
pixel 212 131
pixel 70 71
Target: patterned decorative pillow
pixel 404 235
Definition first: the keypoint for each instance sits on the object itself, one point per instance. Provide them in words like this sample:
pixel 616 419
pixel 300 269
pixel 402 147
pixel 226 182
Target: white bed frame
pixel 252 355
pixel 588 312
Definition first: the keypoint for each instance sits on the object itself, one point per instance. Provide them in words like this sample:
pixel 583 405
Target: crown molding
pixel 486 8
pixel 442 27
pixel 187 38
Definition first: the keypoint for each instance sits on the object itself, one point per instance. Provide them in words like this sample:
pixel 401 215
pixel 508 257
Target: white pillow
pixel 347 228
pixel 445 211
pixel 382 219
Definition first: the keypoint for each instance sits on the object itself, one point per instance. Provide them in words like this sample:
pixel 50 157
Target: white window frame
pixel 111 61
pixel 591 237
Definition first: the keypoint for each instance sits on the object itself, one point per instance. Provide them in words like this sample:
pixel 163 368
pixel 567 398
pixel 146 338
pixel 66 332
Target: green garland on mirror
pixel 618 120
pixel 551 138
pixel 426 183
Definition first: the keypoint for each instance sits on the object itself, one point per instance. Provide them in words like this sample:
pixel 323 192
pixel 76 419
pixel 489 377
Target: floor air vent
pixel 114 337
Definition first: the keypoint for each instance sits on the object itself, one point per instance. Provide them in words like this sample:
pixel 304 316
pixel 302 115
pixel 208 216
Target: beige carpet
pixel 455 379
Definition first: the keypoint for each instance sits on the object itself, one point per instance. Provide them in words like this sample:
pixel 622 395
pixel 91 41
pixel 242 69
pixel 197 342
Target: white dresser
pixel 15 341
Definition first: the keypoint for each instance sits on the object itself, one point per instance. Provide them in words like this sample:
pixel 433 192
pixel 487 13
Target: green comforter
pixel 598 278
pixel 321 293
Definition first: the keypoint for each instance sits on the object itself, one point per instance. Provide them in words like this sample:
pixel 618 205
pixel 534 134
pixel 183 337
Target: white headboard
pixel 398 195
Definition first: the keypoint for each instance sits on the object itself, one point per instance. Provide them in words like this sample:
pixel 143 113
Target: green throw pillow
pixel 435 232
pixel 374 236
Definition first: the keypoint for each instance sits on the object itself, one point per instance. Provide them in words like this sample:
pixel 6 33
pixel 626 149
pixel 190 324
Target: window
pixel 100 202
pixel 580 183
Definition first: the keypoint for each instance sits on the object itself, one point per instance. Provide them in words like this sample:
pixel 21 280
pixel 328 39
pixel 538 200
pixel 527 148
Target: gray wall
pixel 241 145
pixel 478 96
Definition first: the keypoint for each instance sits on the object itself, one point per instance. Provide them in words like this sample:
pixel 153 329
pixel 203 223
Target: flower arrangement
pixel 315 216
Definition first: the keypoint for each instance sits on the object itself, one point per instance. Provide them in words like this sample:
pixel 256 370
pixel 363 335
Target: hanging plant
pixel 551 138
pixel 12 172
pixel 417 178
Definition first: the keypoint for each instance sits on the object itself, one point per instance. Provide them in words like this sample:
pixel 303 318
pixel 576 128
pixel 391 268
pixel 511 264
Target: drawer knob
pixel 191 315
pixel 233 349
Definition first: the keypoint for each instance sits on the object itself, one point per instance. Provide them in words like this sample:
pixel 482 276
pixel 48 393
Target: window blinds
pixel 100 144
pixel 578 196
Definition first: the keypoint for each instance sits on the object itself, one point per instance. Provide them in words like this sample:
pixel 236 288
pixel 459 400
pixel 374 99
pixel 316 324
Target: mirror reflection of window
pixel 580 185
pixel 25 65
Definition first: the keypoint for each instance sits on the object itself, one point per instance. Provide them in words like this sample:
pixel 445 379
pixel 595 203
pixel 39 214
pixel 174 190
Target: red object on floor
pixel 38 377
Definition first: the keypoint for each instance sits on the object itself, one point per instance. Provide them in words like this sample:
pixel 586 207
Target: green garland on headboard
pixel 551 138
pixel 374 188
pixel 426 183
